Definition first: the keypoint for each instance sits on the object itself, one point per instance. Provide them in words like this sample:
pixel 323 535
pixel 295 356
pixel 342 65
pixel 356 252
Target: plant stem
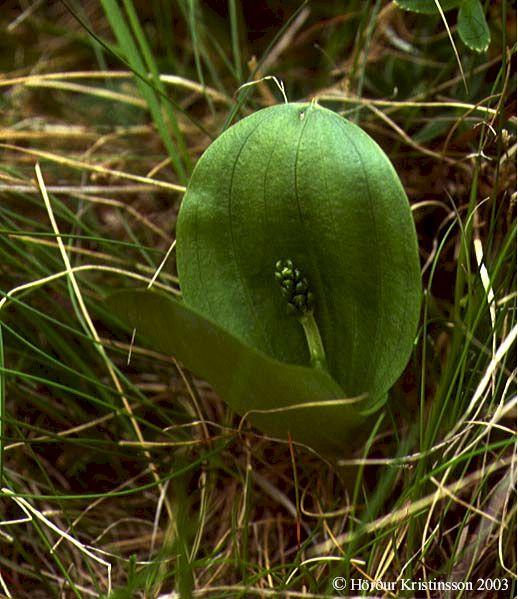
pixel 315 345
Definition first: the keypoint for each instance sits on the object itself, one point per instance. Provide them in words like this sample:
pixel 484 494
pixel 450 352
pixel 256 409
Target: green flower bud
pixel 294 288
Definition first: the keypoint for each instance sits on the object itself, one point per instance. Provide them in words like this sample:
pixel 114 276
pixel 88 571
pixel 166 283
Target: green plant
pixel 296 181
pixel 471 21
pixel 146 472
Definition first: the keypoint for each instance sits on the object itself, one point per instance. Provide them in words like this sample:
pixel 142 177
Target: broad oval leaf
pixel 278 398
pixel 473 27
pixel 298 181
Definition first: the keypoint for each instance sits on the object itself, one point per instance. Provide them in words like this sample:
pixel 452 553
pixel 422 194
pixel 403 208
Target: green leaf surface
pixel 428 7
pixel 298 181
pixel 246 378
pixel 473 27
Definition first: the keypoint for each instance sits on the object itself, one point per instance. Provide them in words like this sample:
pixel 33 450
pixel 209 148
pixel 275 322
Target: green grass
pixel 130 478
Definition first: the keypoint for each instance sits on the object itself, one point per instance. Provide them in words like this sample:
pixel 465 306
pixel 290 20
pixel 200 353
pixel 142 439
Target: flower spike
pixel 295 289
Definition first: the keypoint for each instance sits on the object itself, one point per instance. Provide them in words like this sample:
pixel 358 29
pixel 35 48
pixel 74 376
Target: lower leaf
pixel 278 398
